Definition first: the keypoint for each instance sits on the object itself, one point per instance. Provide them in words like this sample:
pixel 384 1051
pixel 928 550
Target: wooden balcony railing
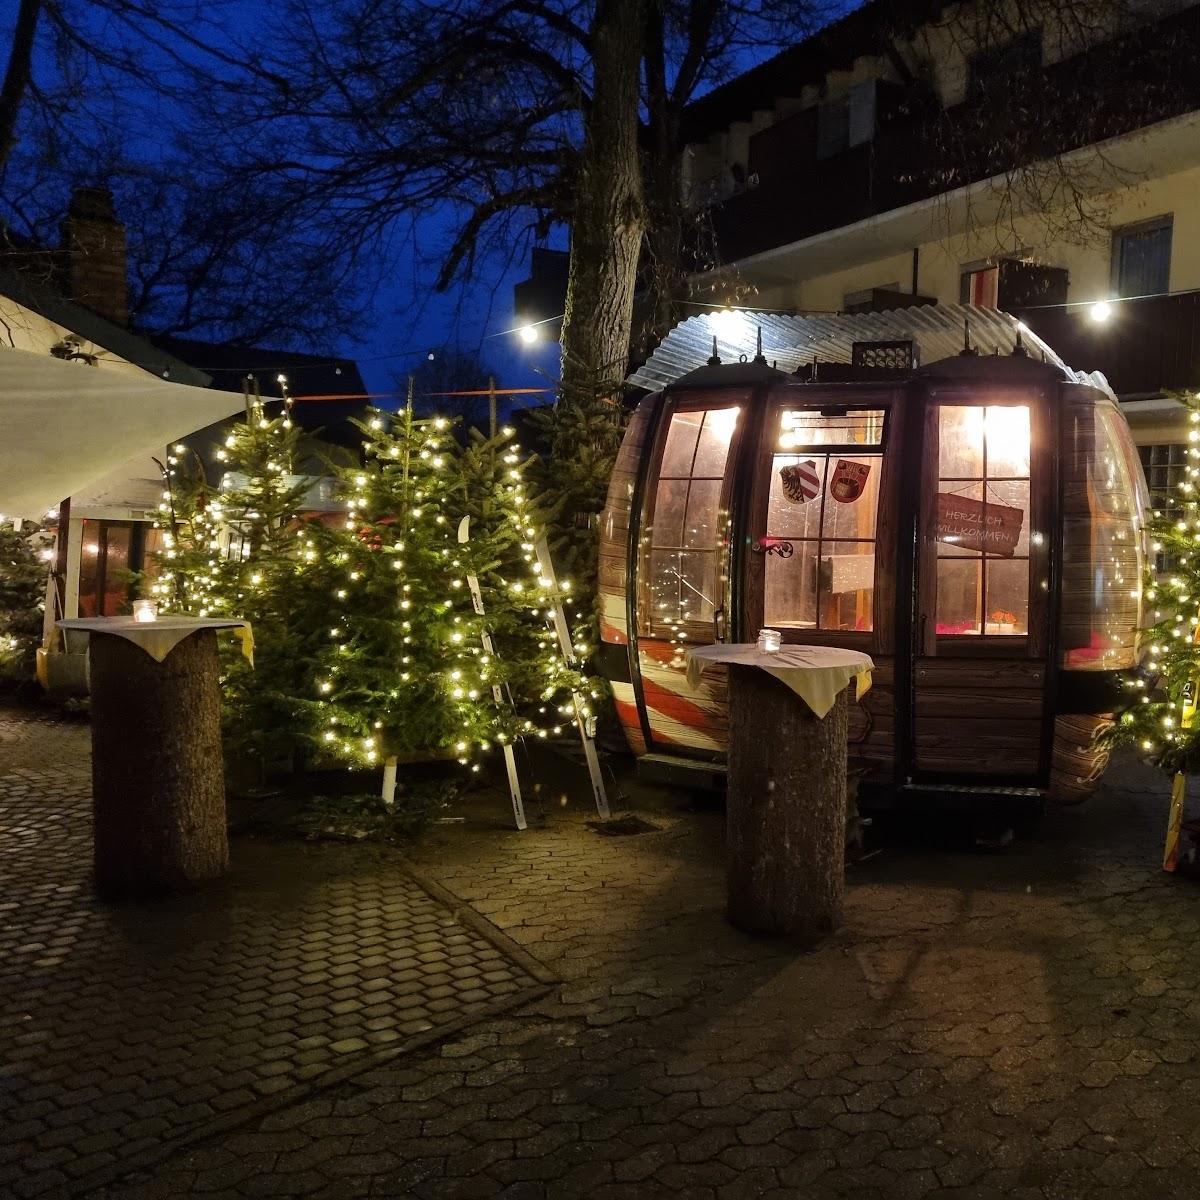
pixel 1145 347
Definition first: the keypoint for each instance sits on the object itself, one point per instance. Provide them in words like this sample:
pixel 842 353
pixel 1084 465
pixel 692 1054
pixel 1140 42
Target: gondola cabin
pixel 973 523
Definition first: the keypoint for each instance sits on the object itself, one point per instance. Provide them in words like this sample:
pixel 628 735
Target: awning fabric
pixel 64 425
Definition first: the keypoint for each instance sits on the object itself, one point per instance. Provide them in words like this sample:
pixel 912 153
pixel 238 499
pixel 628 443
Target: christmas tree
pixel 243 550
pixel 22 598
pixel 580 436
pixel 502 569
pixel 400 676
pixel 1158 717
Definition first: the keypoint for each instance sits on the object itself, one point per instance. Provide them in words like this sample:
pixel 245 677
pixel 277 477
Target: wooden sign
pixel 849 479
pixel 973 525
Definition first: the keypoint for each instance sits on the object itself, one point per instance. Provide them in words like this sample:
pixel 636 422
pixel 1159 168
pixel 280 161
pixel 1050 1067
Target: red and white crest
pixel 800 481
pixel 849 481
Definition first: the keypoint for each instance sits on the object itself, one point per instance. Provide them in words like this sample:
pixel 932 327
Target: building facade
pixel 1041 159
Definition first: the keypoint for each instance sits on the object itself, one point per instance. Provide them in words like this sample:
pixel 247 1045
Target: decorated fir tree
pixel 400 676
pixel 580 436
pixel 1158 718
pixel 242 549
pixel 189 517
pixel 22 598
pixel 502 568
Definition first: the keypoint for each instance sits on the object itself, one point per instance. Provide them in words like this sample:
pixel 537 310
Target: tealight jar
pixel 769 640
pixel 145 610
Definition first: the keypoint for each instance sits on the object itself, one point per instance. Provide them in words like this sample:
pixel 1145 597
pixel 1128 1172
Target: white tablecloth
pixel 817 674
pixel 158 638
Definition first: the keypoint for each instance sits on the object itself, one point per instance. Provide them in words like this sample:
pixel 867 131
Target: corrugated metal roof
pixel 790 341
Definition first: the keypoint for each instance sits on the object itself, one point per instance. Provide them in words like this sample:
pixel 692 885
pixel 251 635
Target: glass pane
pixel 852 499
pixel 846 588
pixel 713 447
pixel 1144 262
pixel 702 527
pixel 960 441
pixel 794 477
pixel 791 589
pixel 663 584
pixel 958 598
pixel 89 570
pixel 116 569
pixel 807 427
pixel 682 579
pixel 681 444
pixel 1007 596
pixel 697 585
pixel 1013 495
pixel 1007 432
pixel 669 509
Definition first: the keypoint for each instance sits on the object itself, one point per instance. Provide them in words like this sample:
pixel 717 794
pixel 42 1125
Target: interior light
pixel 1100 311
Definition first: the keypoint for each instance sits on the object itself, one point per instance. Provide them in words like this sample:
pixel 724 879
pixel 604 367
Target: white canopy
pixel 63 425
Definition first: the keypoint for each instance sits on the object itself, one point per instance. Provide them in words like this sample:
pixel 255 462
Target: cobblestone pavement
pixel 1022 1025
pixel 124 1029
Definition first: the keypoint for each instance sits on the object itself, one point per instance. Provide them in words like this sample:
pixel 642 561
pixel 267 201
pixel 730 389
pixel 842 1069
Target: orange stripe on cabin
pixel 675 707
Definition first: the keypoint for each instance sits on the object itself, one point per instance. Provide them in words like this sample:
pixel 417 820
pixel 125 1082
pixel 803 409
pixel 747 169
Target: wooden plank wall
pixel 979 716
pixel 873 719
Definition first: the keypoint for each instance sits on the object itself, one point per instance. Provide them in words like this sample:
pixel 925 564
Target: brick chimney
pixel 93 250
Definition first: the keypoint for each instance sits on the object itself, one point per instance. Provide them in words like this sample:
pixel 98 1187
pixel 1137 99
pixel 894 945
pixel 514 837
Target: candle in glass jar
pixel 145 610
pixel 769 640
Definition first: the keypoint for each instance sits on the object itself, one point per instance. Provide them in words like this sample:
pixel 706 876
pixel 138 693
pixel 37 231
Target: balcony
pixel 920 151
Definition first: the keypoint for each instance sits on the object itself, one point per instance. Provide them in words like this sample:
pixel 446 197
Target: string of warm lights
pixel 1160 695
pixel 399 671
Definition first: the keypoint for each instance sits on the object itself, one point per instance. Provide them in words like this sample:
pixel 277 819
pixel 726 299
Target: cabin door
pixel 822 537
pixel 978 665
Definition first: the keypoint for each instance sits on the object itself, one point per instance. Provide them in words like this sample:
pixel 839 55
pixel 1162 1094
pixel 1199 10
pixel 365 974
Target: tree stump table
pixel 158 778
pixel 786 801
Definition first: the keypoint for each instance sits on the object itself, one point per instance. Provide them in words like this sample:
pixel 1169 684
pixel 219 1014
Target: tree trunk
pixel 667 282
pixel 608 217
pixel 17 75
pixel 158 781
pixel 786 810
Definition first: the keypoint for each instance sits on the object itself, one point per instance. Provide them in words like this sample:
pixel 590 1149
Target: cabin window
pixel 687 537
pixel 821 515
pixel 982 520
pixel 1103 552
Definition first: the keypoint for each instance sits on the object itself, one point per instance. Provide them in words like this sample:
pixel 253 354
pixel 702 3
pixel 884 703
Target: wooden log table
pixel 158 777
pixel 786 802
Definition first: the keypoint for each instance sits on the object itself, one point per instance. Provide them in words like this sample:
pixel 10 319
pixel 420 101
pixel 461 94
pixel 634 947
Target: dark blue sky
pixel 408 318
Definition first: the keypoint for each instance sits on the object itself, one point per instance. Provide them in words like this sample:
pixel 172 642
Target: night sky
pixel 409 319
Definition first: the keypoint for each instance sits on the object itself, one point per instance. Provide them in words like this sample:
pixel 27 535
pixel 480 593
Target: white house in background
pixel 825 178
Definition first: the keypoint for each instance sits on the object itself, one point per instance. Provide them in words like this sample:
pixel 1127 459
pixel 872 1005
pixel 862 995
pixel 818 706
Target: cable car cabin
pixel 974 525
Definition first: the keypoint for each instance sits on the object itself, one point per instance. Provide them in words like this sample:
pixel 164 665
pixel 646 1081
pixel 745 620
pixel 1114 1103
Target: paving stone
pixel 146 1021
pixel 1020 1025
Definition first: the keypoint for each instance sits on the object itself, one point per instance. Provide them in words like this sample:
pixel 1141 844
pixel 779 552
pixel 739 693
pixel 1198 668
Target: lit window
pixel 686 539
pixel 821 520
pixel 982 520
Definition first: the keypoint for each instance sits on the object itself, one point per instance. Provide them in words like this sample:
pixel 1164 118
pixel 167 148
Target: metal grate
pixel 897 356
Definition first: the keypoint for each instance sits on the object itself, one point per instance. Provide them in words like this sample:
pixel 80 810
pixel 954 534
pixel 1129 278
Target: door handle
pixel 719 623
pixel 774 545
